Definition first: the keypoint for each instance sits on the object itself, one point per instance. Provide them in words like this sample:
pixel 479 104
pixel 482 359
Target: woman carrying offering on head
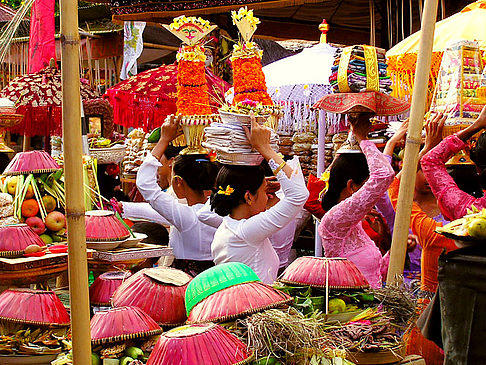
pixel 192 176
pixel 241 198
pixel 356 183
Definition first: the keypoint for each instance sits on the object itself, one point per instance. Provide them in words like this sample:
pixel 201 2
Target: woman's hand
pixel 476 127
pixel 412 242
pixel 433 130
pixel 361 130
pixel 169 130
pixel 258 136
pixel 398 137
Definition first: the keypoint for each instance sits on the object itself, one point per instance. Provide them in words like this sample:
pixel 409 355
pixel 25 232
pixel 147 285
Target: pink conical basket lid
pixel 103 226
pixel 31 162
pixel 34 307
pixel 237 301
pixel 102 289
pixel 308 270
pixel 198 344
pixel 121 324
pixel 15 238
pixel 157 291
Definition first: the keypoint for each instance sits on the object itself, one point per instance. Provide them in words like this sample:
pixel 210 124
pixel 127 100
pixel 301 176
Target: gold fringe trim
pixel 11 254
pixel 35 323
pixel 126 337
pixel 41 171
pixel 244 313
pixel 323 286
pixel 96 240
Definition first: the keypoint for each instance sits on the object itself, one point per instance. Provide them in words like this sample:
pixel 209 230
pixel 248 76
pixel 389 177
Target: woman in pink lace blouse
pixel 452 201
pixel 356 183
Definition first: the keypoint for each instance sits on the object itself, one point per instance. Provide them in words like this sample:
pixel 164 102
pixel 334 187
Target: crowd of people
pixel 227 213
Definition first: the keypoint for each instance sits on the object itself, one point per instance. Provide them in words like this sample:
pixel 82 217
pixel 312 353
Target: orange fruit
pixel 29 193
pixel 30 208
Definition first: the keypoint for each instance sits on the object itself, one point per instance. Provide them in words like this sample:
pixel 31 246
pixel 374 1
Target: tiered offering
pixel 228 138
pixel 360 68
pixel 248 78
pixel 192 88
pixel 456 91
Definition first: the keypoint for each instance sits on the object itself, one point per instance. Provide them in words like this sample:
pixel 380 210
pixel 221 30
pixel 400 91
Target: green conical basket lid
pixel 215 279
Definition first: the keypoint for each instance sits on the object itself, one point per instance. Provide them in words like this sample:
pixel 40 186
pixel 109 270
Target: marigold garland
pixel 192 89
pixel 249 81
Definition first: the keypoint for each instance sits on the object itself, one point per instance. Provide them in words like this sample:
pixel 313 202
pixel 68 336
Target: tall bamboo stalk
pixel 412 146
pixel 73 171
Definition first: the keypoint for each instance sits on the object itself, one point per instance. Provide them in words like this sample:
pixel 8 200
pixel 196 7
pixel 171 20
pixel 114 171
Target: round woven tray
pixel 9 120
pixel 108 155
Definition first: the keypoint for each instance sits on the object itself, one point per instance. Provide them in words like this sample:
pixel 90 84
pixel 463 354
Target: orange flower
pixel 192 89
pixel 249 81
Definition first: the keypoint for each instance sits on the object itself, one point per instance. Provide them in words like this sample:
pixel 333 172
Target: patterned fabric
pixel 38 97
pixel 147 10
pixel 341 229
pixel 376 102
pixel 431 242
pixel 452 201
pixel 145 100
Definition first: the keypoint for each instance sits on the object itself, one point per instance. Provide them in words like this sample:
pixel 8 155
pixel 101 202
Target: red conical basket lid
pixel 121 324
pixel 308 270
pixel 370 101
pixel 35 307
pixel 31 162
pixel 102 289
pixel 103 226
pixel 237 301
pixel 158 291
pixel 15 238
pixel 198 344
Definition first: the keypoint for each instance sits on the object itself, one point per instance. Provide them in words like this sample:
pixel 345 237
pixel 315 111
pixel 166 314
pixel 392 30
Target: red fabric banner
pixel 42 46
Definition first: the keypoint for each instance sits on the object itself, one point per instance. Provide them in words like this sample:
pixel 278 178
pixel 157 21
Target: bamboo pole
pixel 412 146
pixel 73 172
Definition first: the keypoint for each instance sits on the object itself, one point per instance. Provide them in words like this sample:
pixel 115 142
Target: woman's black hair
pixel 197 171
pixel 239 178
pixel 467 179
pixel 172 151
pixel 478 155
pixel 347 166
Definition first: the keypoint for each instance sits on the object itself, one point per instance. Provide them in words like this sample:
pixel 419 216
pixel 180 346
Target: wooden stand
pixel 73 174
pixel 414 139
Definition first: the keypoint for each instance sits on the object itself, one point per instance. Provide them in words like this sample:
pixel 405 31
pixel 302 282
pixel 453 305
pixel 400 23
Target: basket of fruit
pixel 468 230
pixel 105 150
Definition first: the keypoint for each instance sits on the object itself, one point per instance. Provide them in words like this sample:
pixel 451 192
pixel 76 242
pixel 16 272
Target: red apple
pixel 55 221
pixel 36 224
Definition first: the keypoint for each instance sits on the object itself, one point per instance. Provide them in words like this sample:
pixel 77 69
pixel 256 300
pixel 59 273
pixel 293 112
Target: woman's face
pixel 421 184
pixel 259 200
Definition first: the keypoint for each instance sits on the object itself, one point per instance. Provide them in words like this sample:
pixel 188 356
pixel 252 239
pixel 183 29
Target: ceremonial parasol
pixel 143 101
pixel 402 58
pixel 156 10
pixel 38 97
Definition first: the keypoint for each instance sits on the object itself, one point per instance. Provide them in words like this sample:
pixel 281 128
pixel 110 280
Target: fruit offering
pixel 470 227
pixel 34 341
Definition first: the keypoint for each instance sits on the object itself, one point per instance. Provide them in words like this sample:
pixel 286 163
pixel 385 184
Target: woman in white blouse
pixel 192 175
pixel 242 200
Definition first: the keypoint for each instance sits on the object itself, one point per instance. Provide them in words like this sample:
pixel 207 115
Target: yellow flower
pixel 228 191
pixel 325 177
